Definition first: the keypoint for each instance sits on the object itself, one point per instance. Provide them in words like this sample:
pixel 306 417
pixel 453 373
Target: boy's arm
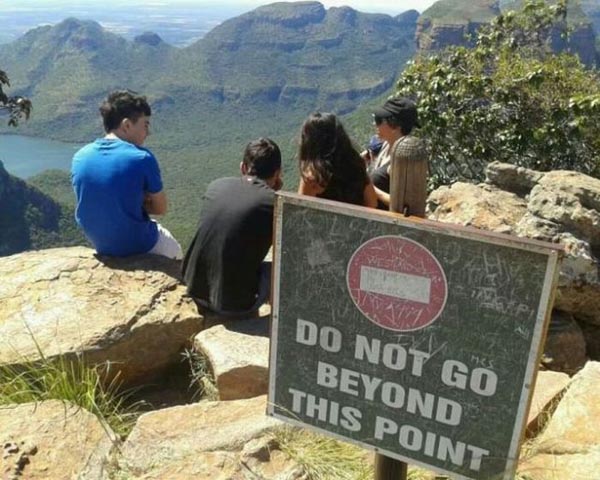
pixel 155 203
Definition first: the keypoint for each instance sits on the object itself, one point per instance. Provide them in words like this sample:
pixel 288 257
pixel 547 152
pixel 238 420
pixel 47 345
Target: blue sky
pixel 382 6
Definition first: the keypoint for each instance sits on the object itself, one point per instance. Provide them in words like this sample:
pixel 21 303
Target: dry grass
pixel 324 458
pixel 202 378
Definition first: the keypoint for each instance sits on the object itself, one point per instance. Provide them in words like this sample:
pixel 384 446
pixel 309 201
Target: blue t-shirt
pixel 110 178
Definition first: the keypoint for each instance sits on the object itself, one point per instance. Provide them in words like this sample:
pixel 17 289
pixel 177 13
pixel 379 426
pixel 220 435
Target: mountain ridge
pixel 295 55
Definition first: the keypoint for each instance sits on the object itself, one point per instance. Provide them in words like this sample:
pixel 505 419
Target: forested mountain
pixel 261 71
pixel 30 219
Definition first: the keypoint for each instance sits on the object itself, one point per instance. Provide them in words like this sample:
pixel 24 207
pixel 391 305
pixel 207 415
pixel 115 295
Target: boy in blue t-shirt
pixel 117 184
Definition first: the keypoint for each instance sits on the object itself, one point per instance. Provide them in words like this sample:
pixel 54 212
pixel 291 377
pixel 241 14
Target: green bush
pixel 510 98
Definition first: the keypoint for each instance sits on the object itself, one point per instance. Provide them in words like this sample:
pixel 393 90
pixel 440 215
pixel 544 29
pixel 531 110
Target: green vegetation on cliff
pixel 510 99
pixel 31 220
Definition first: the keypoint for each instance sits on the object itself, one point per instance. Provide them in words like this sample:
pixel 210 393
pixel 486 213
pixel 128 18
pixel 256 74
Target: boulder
pixel 130 313
pixel 561 207
pixel 564 207
pixel 570 199
pixel 569 447
pixel 239 361
pixel 511 178
pixel 53 440
pixel 578 466
pixel 565 347
pixel 592 339
pixel 202 441
pixel 574 428
pixel 548 388
pixel 480 206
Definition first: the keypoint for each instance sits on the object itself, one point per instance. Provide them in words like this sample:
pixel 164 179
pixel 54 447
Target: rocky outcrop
pixel 581 42
pixel 449 22
pixel 573 427
pixel 130 315
pixel 431 37
pixel 208 440
pixel 148 38
pixel 577 466
pixel 53 440
pixel 548 388
pixel 239 361
pixel 454 22
pixel 480 206
pixel 569 446
pixel 565 348
pixel 560 207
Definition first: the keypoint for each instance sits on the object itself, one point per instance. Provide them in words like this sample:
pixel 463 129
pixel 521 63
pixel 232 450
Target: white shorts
pixel 166 245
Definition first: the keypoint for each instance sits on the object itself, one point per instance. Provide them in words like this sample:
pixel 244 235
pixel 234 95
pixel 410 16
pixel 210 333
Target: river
pixel 27 156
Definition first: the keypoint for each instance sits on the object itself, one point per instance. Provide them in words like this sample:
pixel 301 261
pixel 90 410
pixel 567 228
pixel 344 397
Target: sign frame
pixel 553 252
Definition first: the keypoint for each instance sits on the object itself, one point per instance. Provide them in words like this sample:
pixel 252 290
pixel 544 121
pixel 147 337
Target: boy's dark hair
pixel 262 158
pixel 123 104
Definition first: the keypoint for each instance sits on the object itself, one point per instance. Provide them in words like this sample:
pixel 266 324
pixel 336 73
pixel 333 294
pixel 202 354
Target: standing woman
pixel 400 177
pixel 330 166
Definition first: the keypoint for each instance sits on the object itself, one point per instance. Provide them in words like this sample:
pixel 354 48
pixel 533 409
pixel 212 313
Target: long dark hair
pixel 327 156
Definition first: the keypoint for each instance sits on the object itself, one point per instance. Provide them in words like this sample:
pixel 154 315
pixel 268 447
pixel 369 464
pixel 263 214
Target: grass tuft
pixel 201 376
pixel 323 458
pixel 71 380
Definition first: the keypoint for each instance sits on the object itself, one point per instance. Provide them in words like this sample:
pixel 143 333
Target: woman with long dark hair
pixel 330 166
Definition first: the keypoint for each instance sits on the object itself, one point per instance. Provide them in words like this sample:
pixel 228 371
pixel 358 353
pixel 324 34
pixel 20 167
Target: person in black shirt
pixel 224 267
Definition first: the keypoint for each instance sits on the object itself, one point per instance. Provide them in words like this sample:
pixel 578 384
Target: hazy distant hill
pixel 67 68
pixel 261 71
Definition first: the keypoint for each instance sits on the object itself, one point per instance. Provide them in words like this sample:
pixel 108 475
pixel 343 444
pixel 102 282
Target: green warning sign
pixel 415 339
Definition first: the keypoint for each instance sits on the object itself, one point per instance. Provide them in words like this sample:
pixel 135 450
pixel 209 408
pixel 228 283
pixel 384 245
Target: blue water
pixel 27 156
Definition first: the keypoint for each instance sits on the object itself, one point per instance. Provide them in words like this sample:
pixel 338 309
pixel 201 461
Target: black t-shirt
pixel 381 179
pixel 222 265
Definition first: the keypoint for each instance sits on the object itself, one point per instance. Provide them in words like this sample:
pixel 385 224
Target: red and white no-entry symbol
pixel 397 283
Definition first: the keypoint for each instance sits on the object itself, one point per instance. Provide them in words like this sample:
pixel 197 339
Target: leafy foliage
pixel 510 98
pixel 17 107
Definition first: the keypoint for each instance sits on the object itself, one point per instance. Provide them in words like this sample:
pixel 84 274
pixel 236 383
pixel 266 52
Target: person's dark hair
pixel 327 156
pixel 406 125
pixel 262 158
pixel 123 104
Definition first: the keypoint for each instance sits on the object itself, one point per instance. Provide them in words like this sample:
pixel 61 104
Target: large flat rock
pixel 195 441
pixel 239 361
pixel 481 206
pixel 548 388
pixel 577 466
pixel 130 312
pixel 52 440
pixel 573 427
